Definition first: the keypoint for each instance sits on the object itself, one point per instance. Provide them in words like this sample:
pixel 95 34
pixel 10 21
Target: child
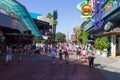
pixel 78 52
pixel 60 57
pixel 66 56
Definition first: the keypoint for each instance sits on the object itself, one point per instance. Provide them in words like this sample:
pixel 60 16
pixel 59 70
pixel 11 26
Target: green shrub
pixel 102 43
pixel 97 44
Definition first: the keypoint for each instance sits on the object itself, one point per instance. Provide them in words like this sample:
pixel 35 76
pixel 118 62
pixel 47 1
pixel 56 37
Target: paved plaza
pixel 40 68
pixel 108 67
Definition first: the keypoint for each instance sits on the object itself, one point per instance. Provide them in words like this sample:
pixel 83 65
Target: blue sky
pixel 68 15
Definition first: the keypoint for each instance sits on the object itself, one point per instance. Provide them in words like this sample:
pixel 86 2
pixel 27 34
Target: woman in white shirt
pixel 91 58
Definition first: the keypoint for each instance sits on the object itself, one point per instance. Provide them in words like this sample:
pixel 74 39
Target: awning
pixel 19 34
pixel 89 41
pixel 114 31
pixel 42 25
pixel 17 10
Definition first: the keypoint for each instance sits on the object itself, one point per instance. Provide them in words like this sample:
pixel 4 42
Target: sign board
pixel 108 26
pixel 86 10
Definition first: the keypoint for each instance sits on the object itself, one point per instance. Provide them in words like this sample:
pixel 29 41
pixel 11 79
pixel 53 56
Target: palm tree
pixel 82 36
pixel 54 23
pixel 49 16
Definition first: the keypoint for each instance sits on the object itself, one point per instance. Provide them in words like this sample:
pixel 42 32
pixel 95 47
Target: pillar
pixel 113 46
pixel 118 45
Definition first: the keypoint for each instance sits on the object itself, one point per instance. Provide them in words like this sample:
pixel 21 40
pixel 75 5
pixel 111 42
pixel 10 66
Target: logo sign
pixel 86 9
pixel 108 26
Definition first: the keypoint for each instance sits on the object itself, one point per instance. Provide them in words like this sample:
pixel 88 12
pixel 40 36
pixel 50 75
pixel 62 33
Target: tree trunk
pixel 54 31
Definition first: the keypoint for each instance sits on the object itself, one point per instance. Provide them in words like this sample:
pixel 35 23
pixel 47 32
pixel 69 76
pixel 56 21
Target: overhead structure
pixel 17 10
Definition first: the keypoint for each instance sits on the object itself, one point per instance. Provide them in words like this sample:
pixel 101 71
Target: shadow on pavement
pixel 40 68
pixel 108 73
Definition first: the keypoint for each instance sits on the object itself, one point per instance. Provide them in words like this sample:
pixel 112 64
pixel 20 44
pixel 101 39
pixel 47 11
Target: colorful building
pixel 16 23
pixel 106 16
pixel 42 24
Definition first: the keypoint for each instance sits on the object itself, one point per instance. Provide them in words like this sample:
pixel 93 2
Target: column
pixel 119 45
pixel 113 46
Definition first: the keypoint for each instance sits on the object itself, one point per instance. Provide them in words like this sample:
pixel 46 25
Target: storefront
pixel 114 35
pixel 108 24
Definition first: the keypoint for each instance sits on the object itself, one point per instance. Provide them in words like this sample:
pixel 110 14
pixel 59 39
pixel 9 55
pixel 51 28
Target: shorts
pixel 52 55
pixel 8 57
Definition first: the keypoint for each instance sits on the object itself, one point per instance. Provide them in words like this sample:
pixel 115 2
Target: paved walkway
pixel 109 67
pixel 40 68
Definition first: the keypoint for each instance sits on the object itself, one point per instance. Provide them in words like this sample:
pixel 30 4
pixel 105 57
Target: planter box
pixel 98 52
pixel 104 54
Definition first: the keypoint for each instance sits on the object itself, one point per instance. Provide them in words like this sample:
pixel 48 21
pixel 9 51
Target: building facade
pixel 106 23
pixel 16 25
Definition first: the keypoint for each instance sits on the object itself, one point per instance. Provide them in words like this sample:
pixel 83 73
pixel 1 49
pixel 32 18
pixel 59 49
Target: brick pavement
pixel 35 68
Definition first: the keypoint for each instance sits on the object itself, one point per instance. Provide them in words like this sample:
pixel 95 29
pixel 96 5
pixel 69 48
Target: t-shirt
pixel 90 53
pixel 60 53
pixel 78 52
pixel 9 51
pixel 84 52
pixel 53 51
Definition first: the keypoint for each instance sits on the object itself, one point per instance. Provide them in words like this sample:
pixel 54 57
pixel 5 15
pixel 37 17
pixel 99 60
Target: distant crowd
pixel 85 51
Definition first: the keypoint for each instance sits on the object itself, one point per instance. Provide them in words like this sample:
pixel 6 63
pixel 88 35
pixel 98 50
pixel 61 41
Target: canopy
pixel 17 10
pixel 90 41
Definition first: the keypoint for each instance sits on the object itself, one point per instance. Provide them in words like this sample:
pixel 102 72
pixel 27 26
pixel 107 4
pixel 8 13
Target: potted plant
pixel 101 44
pixel 97 45
pixel 104 45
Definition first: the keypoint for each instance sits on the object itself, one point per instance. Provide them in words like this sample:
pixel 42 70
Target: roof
pixel 34 15
pixel 114 31
pixel 15 9
pixel 42 25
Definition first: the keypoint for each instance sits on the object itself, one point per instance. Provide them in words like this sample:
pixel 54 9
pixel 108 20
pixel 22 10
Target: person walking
pixel 91 58
pixel 52 53
pixel 19 53
pixel 78 52
pixel 60 57
pixel 8 54
pixel 84 54
pixel 37 49
pixel 66 55
pixel 45 49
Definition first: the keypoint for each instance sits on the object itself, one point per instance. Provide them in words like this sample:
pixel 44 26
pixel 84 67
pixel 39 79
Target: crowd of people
pixel 82 52
pixel 62 51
